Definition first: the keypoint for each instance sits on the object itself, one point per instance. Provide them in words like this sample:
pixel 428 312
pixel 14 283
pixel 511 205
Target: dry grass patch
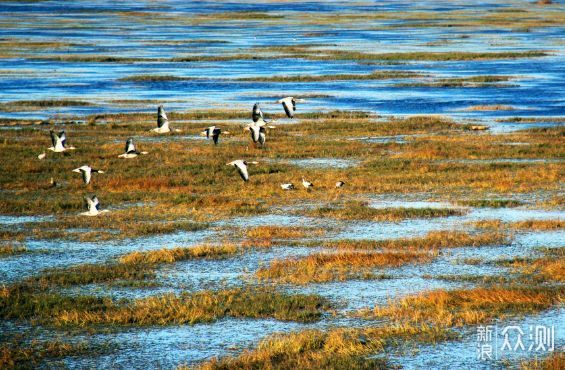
pixel 322 267
pixel 554 361
pixel 10 250
pixel 534 225
pixel 489 107
pixel 340 348
pixel 361 211
pixel 282 232
pixel 468 307
pixel 170 255
pixel 432 240
pixel 204 306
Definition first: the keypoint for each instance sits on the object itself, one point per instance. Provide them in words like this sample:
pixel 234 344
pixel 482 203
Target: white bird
pixel 289 105
pixel 307 184
pixel 288 186
pixel 93 206
pixel 86 171
pixel 131 151
pixel 214 132
pixel 241 166
pixel 59 142
pixel 258 134
pixel 162 121
pixel 339 184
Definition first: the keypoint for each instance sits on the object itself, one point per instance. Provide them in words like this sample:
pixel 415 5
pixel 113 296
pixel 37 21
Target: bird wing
pixel 130 147
pixel 63 138
pixel 287 109
pixel 216 135
pixel 96 202
pixel 86 175
pixel 161 117
pixel 54 138
pixel 257 113
pixel 255 130
pixel 242 169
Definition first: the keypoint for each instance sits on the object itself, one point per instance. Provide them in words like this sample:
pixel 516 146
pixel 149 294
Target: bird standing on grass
pixel 131 151
pixel 289 186
pixel 86 171
pixel 339 184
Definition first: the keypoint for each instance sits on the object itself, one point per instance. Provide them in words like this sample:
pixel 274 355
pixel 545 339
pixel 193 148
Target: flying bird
pixel 288 186
pixel 258 134
pixel 339 184
pixel 241 166
pixel 307 184
pixel 59 142
pixel 289 105
pixel 213 132
pixel 131 151
pixel 93 206
pixel 86 172
pixel 162 121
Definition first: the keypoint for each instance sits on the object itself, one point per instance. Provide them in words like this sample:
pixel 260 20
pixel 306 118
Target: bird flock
pixel 257 129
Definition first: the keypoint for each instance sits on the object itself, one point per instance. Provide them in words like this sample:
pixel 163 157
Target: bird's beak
pixel 254 162
pixel 100 171
pixel 246 128
pixel 203 133
pixel 76 170
pixel 226 132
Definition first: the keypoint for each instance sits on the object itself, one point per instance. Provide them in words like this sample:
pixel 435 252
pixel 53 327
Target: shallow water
pixel 104 27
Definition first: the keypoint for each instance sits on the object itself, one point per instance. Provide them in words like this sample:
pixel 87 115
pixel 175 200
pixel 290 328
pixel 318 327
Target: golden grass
pixel 322 267
pixel 534 225
pixel 468 307
pixel 361 211
pixel 432 240
pixel 20 355
pixel 490 107
pixel 554 361
pixel 204 306
pixel 10 250
pixel 282 232
pixel 339 348
pixel 549 268
pixel 170 255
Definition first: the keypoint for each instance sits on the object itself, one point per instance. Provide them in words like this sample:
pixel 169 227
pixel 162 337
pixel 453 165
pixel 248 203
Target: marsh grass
pixel 489 107
pixel 203 306
pixel 22 355
pixel 322 267
pixel 469 306
pixel 473 81
pixel 11 250
pixel 553 361
pixel 170 255
pixel 376 75
pixel 283 232
pixel 338 348
pixel 549 268
pixel 432 240
pixel 534 225
pixel 152 78
pixel 491 203
pixel 361 211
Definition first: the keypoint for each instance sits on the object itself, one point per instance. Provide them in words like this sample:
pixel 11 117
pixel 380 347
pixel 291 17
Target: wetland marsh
pixel 445 121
